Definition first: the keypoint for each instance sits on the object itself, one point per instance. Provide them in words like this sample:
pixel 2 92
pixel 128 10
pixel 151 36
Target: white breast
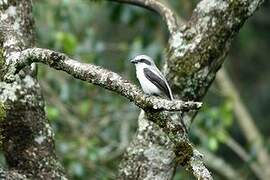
pixel 147 86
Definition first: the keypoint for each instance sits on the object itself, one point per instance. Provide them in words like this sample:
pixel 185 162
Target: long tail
pixel 170 91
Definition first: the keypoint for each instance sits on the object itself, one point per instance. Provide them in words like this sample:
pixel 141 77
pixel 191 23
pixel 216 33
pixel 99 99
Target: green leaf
pixel 66 41
pixel 222 136
pixel 226 112
pixel 213 144
pixel 52 112
pixel 84 107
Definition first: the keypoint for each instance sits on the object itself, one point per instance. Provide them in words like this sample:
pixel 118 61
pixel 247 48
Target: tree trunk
pixel 196 52
pixel 26 135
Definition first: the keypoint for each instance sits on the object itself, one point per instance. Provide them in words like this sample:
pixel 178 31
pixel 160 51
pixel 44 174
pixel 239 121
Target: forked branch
pixel 159 7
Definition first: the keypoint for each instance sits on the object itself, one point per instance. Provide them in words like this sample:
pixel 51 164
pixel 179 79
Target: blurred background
pixel 93 126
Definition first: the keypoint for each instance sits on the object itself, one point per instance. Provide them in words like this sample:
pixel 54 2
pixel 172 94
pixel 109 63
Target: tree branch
pixel 245 120
pixel 197 167
pixel 168 144
pixel 196 52
pixel 241 152
pixel 220 165
pixel 11 174
pixel 160 7
pixel 114 82
pixel 95 75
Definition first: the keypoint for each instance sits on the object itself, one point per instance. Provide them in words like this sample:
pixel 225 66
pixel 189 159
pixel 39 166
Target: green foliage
pixel 66 41
pixel 84 107
pixel 52 113
pixel 213 143
pixel 216 121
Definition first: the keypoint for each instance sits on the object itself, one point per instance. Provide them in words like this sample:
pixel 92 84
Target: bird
pixel 151 79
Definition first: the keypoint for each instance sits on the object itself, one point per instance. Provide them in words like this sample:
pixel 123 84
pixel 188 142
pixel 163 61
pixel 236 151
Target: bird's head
pixel 142 60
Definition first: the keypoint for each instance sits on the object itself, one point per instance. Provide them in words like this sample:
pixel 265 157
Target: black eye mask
pixel 145 61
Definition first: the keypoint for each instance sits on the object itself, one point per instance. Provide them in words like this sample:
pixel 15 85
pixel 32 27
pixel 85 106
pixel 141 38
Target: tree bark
pixel 196 52
pixel 26 135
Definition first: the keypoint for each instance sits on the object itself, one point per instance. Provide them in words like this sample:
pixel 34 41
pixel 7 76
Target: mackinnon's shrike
pixel 151 79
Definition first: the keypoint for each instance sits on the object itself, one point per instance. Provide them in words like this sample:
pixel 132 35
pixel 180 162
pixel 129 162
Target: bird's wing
pixel 160 82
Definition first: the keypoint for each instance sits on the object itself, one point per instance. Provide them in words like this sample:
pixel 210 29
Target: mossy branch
pixel 95 75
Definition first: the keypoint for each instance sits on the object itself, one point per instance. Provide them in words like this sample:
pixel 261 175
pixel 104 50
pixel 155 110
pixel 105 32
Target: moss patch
pixel 2 112
pixel 2 117
pixel 1 64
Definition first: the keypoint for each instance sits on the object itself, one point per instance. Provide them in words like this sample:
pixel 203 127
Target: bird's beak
pixel 133 61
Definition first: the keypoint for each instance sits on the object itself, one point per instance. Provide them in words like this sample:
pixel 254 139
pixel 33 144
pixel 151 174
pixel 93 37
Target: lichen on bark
pixel 28 142
pixel 2 111
pixel 2 62
pixel 196 52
